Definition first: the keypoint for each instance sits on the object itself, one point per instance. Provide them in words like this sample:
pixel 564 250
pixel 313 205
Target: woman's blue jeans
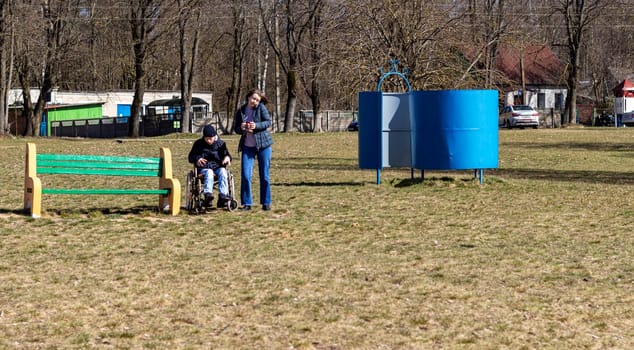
pixel 249 154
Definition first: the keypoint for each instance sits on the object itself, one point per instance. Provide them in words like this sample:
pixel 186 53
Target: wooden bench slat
pixel 132 191
pixel 90 171
pixel 98 158
pixel 98 165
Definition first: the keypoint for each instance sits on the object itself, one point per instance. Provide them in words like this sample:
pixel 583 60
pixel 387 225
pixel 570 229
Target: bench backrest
pixel 98 165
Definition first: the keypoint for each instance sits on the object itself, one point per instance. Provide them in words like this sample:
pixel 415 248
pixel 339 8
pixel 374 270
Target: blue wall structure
pixel 429 130
pixel 455 129
pixel 382 139
pixel 370 140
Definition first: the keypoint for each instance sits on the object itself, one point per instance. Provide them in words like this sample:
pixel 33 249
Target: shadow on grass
pixel 301 163
pixel 318 184
pixel 137 211
pixel 12 211
pixel 434 181
pixel 568 175
pixel 494 175
pixel 586 146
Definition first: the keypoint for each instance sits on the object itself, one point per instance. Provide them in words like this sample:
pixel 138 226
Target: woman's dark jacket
pixel 214 153
pixel 262 120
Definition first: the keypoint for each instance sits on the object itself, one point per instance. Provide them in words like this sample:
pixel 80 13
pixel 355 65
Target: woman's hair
pixel 263 98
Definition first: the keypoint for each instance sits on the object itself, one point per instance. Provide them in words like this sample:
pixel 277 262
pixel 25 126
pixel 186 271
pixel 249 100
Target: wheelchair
pixel 195 196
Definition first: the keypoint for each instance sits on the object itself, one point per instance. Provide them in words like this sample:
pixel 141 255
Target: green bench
pixel 168 190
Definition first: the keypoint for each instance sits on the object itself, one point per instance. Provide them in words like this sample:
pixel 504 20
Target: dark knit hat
pixel 209 131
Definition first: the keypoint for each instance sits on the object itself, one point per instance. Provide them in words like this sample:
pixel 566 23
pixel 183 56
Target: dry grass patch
pixel 540 256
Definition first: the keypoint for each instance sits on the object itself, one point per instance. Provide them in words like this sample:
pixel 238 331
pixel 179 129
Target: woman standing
pixel 252 121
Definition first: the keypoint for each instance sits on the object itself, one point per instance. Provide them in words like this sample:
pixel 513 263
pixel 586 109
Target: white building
pixel 541 98
pixel 115 103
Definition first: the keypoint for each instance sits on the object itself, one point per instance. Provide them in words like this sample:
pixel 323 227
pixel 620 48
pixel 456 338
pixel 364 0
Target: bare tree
pixel 188 53
pixel 578 15
pixel 262 58
pixel 608 47
pixel 312 65
pixel 6 30
pixel 419 34
pixel 276 40
pixel 327 50
pixel 144 16
pixel 299 17
pixel 240 44
pixel 488 25
pixel 55 39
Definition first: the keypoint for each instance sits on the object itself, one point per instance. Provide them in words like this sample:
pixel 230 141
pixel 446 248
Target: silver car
pixel 519 116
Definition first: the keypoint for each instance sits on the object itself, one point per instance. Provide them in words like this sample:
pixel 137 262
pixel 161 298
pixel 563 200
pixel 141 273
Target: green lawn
pixel 541 256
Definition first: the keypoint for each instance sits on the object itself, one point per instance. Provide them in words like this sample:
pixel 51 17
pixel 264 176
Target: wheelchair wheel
pixel 232 186
pixel 189 192
pixel 199 197
pixel 232 205
pixel 194 194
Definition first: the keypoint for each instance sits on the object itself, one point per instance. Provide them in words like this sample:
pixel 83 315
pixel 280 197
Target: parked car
pixel 604 120
pixel 519 116
pixel 353 126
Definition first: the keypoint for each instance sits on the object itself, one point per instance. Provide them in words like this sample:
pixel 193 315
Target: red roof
pixel 541 66
pixel 624 89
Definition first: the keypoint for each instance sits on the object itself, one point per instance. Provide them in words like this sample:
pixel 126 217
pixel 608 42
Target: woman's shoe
pixel 245 207
pixel 266 207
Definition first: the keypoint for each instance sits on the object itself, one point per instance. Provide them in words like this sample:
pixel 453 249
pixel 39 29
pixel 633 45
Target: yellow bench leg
pixel 32 184
pixel 167 181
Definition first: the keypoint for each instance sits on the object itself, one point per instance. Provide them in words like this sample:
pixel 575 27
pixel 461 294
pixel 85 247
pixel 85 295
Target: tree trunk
pixel 314 98
pixel 33 113
pixel 523 77
pixel 316 63
pixel 27 109
pixel 573 78
pixel 235 91
pixel 187 64
pixel 185 89
pixel 572 96
pixel 139 90
pixel 277 73
pixel 291 85
pixel 187 122
pixel 4 57
pixel 45 91
pixel 4 85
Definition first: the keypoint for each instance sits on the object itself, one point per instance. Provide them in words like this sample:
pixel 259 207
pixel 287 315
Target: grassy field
pixel 541 256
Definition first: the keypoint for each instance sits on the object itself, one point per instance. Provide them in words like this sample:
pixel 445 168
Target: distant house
pixel 115 103
pixel 624 102
pixel 543 73
pixel 64 106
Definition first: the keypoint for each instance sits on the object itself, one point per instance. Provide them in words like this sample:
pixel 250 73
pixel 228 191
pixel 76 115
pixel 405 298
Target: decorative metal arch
pixel 394 71
pixel 403 75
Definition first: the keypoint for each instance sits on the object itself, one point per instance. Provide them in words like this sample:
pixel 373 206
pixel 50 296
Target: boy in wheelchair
pixel 211 157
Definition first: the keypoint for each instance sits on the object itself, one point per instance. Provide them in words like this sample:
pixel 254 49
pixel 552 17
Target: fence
pixel 115 127
pixel 164 124
pixel 330 120
pixel 303 121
